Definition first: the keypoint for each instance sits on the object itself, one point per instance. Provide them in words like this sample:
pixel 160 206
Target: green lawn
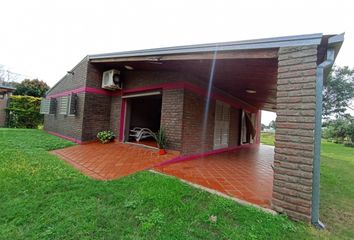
pixel 337 191
pixel 41 197
pixel 267 138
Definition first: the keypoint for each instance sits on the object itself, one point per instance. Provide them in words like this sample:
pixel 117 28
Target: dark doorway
pixel 143 112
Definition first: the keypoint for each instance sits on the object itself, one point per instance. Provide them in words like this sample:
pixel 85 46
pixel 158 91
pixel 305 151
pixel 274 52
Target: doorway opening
pixel 143 118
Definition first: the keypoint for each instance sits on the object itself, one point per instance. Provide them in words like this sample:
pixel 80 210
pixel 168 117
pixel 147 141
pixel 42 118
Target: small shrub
pixel 105 136
pixel 160 138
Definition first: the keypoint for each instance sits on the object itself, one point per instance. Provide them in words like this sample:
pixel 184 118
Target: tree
pixel 338 91
pixel 34 88
pixel 271 124
pixel 340 130
pixel 263 126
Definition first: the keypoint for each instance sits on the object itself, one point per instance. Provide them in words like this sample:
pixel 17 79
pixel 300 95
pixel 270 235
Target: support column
pixel 294 134
pixel 171 117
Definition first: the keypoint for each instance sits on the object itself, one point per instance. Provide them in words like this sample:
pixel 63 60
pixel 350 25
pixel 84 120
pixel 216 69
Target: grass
pixel 267 138
pixel 337 191
pixel 44 198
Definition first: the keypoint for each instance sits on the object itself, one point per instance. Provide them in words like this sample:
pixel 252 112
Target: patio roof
pixel 239 66
pixel 264 43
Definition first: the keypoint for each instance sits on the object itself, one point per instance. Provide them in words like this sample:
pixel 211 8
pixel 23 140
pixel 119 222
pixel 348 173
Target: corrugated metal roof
pixel 264 43
pixel 7 87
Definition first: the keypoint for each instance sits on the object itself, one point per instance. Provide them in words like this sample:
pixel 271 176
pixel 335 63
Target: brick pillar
pixel 171 117
pixel 294 134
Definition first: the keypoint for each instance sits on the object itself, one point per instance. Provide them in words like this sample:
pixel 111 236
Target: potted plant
pixel 105 136
pixel 160 138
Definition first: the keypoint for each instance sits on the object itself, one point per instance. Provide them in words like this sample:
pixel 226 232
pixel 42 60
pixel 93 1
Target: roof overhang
pixel 265 43
pixel 240 65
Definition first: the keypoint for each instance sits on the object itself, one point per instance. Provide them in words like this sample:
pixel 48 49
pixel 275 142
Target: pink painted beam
pixel 205 154
pixel 65 137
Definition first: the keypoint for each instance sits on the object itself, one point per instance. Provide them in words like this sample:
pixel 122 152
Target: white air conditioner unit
pixel 111 80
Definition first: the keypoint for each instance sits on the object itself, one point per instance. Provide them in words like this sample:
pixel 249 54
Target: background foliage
pixel 338 91
pixel 34 88
pixel 23 112
pixel 340 130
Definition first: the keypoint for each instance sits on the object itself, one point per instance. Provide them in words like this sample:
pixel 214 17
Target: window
pixel 221 125
pixel 66 105
pixel 72 104
pixel 45 106
pixel 48 106
pixel 63 105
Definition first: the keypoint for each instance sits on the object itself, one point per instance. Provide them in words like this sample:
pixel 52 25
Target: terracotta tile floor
pixel 113 160
pixel 245 173
pixel 146 142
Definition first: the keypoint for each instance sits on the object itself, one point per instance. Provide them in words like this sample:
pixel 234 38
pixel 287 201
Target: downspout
pixel 320 75
pixel 322 71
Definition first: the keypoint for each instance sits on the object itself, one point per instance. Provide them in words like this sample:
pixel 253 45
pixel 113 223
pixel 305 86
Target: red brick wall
pixel 294 146
pixel 172 117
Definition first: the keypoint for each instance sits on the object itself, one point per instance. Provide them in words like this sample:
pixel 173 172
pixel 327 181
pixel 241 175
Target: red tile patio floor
pixel 245 173
pixel 113 160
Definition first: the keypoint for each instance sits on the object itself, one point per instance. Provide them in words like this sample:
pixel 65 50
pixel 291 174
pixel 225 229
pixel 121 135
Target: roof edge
pixel 263 43
pixel 73 69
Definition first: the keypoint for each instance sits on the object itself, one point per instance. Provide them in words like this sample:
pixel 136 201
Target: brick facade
pixel 96 115
pixel 194 139
pixel 114 120
pixel 138 79
pixel 182 111
pixel 69 126
pixel 294 146
pixel 172 117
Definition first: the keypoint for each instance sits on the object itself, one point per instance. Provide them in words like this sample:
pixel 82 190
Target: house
pixel 5 93
pixel 208 98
